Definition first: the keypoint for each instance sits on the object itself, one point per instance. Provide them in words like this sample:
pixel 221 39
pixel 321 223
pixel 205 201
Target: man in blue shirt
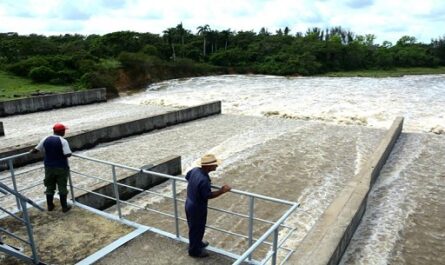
pixel 56 152
pixel 198 193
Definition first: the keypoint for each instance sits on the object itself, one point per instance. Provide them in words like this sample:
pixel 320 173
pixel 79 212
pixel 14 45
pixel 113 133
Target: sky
pixel 387 19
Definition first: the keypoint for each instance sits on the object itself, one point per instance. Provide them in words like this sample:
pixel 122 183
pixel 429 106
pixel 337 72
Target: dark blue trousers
pixel 196 220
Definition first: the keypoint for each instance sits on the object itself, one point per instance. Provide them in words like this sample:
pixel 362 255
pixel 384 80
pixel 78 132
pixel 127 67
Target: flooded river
pixel 404 223
pixel 268 147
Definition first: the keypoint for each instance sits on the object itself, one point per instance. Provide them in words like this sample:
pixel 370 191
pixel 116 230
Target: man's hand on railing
pixel 33 151
pixel 222 190
pixel 225 188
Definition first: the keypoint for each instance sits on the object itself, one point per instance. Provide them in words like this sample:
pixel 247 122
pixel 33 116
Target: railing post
pixel 251 216
pixel 175 206
pixel 29 230
pixel 70 181
pixel 116 191
pixel 275 246
pixel 14 184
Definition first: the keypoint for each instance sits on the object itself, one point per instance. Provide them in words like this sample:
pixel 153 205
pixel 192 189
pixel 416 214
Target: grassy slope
pixel 13 87
pixel 389 73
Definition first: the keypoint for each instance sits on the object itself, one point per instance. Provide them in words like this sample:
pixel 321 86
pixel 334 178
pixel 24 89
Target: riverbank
pixel 395 72
pixel 14 87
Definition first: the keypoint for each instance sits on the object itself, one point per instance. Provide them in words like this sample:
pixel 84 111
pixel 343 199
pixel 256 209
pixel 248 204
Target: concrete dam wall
pixel 330 236
pixel 114 132
pixel 47 102
pixel 169 165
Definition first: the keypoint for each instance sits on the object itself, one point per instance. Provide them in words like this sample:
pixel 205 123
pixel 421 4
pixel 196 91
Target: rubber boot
pixel 65 206
pixel 49 202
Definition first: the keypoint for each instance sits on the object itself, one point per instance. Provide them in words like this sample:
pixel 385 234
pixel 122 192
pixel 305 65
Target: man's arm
pixel 66 148
pixel 34 151
pixel 39 147
pixel 221 191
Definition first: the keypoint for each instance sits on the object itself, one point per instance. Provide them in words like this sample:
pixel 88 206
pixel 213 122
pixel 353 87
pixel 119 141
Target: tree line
pixel 93 60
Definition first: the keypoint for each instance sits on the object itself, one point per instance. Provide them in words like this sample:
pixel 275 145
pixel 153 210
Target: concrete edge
pixel 329 237
pixel 89 139
pixel 48 102
pixel 170 165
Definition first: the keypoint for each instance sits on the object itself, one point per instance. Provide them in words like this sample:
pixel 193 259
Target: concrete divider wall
pixel 2 131
pixel 170 166
pixel 114 132
pixel 47 102
pixel 328 239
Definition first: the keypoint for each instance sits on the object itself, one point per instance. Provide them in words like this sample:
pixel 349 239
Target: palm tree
pixel 203 30
pixel 182 32
pixel 226 35
pixel 170 35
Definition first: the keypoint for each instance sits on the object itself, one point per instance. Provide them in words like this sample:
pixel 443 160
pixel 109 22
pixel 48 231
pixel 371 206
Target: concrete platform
pixel 150 248
pixel 63 238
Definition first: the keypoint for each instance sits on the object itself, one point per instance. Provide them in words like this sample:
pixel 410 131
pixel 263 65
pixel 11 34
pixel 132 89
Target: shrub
pixel 24 67
pixel 42 74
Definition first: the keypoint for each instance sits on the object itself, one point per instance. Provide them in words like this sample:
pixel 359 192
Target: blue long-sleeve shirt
pixel 199 187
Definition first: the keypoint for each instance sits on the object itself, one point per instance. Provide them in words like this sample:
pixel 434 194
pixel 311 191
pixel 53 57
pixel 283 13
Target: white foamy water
pixel 364 101
pixel 22 129
pixel 404 222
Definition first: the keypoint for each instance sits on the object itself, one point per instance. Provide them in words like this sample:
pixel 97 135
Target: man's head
pixel 209 162
pixel 59 129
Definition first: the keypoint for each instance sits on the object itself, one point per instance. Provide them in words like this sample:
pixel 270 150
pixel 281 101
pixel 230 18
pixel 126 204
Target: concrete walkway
pixel 150 248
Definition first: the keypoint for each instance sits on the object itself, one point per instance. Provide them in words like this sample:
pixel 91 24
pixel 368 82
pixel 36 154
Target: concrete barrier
pixel 2 131
pixel 47 102
pixel 170 166
pixel 329 237
pixel 114 132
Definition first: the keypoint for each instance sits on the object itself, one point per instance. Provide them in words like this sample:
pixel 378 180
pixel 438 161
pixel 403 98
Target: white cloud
pixel 388 20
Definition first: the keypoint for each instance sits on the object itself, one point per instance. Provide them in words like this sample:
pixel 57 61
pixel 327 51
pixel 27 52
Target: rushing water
pixel 23 129
pixel 404 223
pixel 372 102
pixel 268 149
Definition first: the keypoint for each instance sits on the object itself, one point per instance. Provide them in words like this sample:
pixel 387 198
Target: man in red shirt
pixel 56 152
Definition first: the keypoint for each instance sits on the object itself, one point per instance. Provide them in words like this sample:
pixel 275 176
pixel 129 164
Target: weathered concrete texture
pixel 63 238
pixel 2 131
pixel 170 166
pixel 150 248
pixel 46 102
pixel 114 132
pixel 328 239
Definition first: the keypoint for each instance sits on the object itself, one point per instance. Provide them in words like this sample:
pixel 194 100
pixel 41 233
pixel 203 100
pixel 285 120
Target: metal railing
pixel 34 258
pixel 253 243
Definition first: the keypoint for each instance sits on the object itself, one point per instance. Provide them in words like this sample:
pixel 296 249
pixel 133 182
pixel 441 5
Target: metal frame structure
pixel 253 243
pixel 16 252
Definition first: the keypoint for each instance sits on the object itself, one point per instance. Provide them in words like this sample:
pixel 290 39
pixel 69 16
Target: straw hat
pixel 209 160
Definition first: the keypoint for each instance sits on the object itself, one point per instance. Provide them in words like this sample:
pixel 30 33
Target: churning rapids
pixel 268 148
pixel 405 220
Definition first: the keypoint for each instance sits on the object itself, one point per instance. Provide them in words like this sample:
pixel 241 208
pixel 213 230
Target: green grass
pixel 395 72
pixel 14 87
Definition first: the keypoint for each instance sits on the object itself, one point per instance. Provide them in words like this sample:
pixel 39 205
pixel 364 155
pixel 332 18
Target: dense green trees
pixel 92 60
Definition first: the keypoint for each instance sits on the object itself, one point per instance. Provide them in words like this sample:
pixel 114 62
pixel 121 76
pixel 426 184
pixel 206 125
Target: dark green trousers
pixel 56 177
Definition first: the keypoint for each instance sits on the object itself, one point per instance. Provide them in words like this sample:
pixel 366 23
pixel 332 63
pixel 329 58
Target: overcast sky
pixel 387 19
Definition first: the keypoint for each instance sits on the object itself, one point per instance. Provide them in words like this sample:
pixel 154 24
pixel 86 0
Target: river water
pixel 269 147
pixel 404 223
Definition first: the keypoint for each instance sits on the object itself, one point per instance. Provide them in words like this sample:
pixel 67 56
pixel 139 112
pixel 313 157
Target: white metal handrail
pixel 252 246
pixel 253 243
